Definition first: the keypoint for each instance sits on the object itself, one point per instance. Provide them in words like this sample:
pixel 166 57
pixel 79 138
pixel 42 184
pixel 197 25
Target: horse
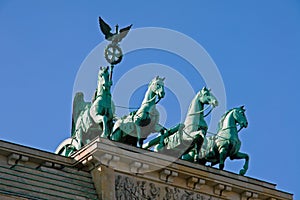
pixel 189 136
pixel 102 108
pixel 134 128
pixel 89 119
pixel 226 143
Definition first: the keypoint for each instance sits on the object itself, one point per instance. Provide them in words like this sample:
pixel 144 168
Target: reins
pixel 211 133
pixel 153 98
pixel 201 111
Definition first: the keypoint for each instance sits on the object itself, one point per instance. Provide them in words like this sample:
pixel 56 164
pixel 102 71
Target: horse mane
pixel 156 79
pixel 220 124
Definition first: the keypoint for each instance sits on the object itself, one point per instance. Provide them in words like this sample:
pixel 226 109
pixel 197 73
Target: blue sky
pixel 255 45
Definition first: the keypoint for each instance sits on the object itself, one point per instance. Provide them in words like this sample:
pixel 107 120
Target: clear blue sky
pixel 255 44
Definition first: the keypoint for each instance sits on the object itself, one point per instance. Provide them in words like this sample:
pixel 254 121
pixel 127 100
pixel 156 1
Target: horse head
pixel 157 86
pixel 206 97
pixel 240 117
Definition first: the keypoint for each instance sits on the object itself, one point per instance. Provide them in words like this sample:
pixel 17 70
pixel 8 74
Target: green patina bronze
pixel 187 140
pixel 102 108
pixel 188 137
pixel 226 143
pixel 134 128
pixel 90 119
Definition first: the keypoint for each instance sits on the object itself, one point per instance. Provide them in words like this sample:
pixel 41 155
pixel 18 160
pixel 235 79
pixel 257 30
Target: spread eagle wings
pixel 124 31
pixel 106 30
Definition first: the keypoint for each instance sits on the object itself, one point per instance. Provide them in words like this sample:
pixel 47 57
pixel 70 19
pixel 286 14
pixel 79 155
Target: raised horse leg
pixel 245 156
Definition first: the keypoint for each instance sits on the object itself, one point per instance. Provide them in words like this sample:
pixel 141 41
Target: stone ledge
pixel 161 172
pixel 157 168
pixel 17 152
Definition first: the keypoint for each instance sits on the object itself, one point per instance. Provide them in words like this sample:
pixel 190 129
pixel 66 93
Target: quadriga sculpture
pixel 187 141
pixel 102 108
pixel 90 119
pixel 226 143
pixel 135 128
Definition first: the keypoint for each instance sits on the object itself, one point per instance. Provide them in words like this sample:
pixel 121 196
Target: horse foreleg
pixel 245 156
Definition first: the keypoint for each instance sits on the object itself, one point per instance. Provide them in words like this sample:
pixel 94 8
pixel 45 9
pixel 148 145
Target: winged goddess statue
pixel 113 53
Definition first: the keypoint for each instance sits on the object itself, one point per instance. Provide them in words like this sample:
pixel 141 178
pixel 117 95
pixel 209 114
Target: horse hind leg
pixel 105 131
pixel 116 135
pixel 140 142
pixel 79 137
pixel 110 125
pixel 198 144
pixel 223 156
pixel 193 152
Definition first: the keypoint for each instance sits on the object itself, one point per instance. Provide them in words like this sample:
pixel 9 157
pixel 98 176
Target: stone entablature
pixel 152 175
pixel 118 171
pixel 27 173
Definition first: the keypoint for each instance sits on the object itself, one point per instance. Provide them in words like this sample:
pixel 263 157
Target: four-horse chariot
pixel 187 140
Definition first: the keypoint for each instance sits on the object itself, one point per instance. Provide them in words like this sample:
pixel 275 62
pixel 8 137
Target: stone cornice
pixel 175 172
pixel 28 154
pixel 149 167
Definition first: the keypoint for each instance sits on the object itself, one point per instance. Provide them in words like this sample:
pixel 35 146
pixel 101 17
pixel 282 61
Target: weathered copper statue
pixel 188 139
pixel 136 127
pixel 102 108
pixel 226 143
pixel 90 119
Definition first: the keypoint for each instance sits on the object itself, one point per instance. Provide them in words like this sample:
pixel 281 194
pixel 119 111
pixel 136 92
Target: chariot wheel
pixel 67 147
pixel 113 54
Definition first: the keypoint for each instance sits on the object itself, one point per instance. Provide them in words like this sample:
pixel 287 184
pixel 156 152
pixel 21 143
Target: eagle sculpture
pixel 113 37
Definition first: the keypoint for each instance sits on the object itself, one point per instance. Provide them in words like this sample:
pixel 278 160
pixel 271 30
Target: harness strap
pixel 201 111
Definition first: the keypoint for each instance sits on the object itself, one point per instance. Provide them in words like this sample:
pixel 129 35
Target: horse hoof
pixel 221 166
pixel 242 172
